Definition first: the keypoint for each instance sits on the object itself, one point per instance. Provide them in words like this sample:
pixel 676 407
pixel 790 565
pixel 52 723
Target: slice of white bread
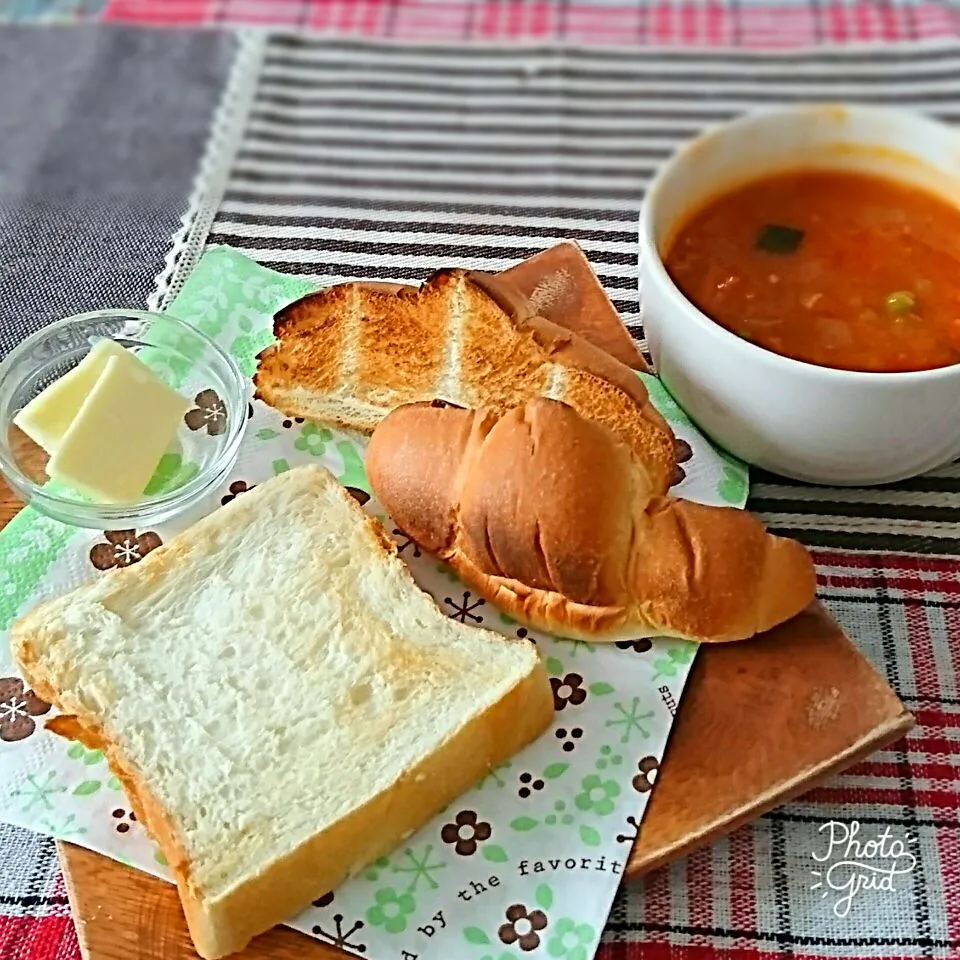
pixel 281 701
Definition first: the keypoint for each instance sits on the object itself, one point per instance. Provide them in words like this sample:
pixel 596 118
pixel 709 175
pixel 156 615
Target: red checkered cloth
pixel 694 23
pixel 354 169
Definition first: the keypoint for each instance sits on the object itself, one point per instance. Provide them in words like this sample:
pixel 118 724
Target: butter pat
pixel 46 418
pixel 114 441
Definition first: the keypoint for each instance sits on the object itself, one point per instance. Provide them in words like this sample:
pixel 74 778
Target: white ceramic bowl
pixel 807 422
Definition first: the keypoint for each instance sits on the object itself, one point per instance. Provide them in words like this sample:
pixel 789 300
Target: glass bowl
pixel 200 456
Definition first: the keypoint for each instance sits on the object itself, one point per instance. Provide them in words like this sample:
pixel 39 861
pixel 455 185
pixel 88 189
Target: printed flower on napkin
pixel 18 707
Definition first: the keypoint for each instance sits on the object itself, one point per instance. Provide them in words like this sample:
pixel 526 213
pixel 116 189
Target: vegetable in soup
pixel 839 269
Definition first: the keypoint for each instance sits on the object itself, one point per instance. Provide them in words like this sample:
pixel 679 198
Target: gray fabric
pixel 101 134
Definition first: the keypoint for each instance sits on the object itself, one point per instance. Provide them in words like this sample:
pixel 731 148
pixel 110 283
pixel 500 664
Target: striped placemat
pixel 362 160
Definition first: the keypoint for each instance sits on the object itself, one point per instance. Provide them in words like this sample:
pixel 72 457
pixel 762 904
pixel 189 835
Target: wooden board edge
pixel 143 919
pixel 802 783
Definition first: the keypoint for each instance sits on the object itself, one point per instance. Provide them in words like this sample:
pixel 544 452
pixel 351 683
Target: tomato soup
pixel 839 269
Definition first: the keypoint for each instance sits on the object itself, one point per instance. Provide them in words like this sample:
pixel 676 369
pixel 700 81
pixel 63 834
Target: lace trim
pixel 229 120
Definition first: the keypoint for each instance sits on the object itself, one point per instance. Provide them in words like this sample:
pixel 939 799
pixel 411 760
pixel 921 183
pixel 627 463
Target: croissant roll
pixel 549 516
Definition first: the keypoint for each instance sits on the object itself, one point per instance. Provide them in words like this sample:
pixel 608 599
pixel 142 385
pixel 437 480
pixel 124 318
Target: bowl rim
pixel 144 508
pixel 650 258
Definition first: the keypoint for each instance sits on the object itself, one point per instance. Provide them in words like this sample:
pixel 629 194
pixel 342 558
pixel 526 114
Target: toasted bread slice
pixel 281 701
pixel 352 353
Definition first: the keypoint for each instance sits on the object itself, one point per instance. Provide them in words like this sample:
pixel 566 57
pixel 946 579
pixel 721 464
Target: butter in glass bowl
pixel 121 418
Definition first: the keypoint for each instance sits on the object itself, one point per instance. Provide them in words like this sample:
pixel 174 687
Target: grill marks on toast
pixel 449 386
pixel 501 365
pixel 350 356
pixel 400 344
pixel 353 353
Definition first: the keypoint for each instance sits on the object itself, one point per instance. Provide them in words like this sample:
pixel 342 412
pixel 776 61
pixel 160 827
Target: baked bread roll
pixel 548 516
pixel 352 353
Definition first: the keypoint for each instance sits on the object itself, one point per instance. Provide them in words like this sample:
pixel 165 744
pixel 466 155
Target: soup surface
pixel 840 269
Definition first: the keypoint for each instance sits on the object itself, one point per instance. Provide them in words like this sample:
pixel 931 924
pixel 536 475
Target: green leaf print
pixel 494 853
pixel 664 668
pixel 734 482
pixel 589 836
pixel 579 646
pixel 555 770
pixel 544 896
pixel 372 872
pixel 214 321
pixel 266 433
pixel 88 757
pixel 30 543
pixel 279 466
pixel 113 783
pixel 390 910
pixel 732 487
pixel 447 572
pixel 600 689
pixel 160 858
pixel 245 317
pixel 523 824
pixel 677 656
pixel 475 935
pixel 247 346
pixel 662 399
pixel 684 651
pixel 354 474
pixel 86 788
pixel 569 940
pixel 554 667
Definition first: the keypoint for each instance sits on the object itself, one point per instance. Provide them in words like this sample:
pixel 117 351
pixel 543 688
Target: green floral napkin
pixel 526 863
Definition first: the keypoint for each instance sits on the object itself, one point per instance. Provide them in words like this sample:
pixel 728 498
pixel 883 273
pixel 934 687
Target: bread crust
pixel 561 286
pixel 225 924
pixel 352 353
pixel 541 512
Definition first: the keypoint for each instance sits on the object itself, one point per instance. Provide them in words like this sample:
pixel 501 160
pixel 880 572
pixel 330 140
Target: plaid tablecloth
pixel 363 160
pixel 766 23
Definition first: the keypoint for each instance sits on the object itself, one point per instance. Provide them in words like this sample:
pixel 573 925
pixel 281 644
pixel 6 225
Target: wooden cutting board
pixel 802 698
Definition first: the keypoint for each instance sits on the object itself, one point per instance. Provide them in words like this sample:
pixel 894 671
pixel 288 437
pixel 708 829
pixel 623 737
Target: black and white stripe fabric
pixel 362 160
